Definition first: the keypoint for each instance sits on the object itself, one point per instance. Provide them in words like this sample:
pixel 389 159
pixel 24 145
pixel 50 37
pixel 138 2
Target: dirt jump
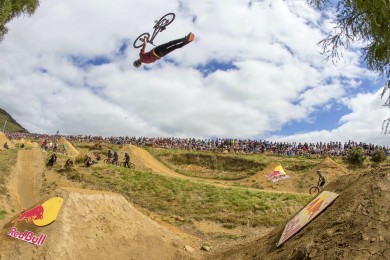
pixel 102 225
pixel 4 139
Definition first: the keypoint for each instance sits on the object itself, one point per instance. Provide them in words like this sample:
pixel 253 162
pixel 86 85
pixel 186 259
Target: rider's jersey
pixel 321 181
pixel 148 57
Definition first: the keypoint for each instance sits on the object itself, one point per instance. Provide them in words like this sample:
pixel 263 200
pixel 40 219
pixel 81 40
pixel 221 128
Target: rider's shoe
pixel 190 37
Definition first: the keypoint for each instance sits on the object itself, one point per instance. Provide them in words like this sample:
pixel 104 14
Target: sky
pixel 254 71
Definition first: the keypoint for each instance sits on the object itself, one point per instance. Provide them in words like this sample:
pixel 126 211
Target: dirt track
pixel 26 180
pixel 144 160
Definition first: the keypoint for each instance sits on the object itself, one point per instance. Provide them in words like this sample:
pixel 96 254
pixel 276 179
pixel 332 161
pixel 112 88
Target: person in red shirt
pixel 161 50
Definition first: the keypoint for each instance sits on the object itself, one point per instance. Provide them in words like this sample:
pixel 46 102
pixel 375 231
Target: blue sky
pixel 254 71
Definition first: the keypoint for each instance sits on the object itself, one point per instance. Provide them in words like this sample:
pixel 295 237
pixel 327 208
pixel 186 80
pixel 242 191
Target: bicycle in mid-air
pixel 160 25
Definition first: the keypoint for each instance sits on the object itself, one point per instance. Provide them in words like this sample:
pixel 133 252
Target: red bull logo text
pixel 27 236
pixel 30 215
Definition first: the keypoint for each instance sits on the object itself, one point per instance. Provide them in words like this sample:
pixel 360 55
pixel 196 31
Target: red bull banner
pixel 27 236
pixel 43 214
pixel 278 174
pixel 307 214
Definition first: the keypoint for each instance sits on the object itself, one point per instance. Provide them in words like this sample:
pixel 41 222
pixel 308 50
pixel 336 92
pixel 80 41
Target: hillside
pixel 187 206
pixel 356 226
pixel 11 126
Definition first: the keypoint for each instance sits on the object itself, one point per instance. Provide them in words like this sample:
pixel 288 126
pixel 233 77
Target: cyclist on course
pixel 115 159
pixel 161 50
pixel 127 160
pixel 321 179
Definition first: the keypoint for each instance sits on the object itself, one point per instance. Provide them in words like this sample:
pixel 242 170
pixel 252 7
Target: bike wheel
pixel 132 166
pixel 139 41
pixel 314 190
pixel 165 20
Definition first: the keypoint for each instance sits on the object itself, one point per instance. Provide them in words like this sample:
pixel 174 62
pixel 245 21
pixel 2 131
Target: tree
pixel 378 156
pixel 366 21
pixel 360 20
pixel 10 9
pixel 355 156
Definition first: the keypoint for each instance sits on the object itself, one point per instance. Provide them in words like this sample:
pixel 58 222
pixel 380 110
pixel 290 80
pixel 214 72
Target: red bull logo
pixel 30 215
pixel 27 236
pixel 307 214
pixel 278 174
pixel 43 214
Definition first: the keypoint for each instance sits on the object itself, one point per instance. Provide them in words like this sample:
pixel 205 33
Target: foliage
pixel 2 213
pixel 360 21
pixel 355 156
pixel 7 161
pixel 386 123
pixel 80 158
pixel 10 9
pixel 378 156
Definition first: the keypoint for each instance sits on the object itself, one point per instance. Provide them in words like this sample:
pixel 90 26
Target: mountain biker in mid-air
pixel 321 179
pixel 161 50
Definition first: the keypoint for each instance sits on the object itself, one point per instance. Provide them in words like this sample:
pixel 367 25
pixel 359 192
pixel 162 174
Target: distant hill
pixel 11 126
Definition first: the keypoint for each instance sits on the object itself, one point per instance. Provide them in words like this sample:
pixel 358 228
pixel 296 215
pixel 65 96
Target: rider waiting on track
pixel 321 179
pixel 161 50
pixel 115 159
pixel 127 160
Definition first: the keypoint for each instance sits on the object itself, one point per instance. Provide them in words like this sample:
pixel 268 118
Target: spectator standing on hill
pixel 6 145
pixel 109 155
pixel 63 148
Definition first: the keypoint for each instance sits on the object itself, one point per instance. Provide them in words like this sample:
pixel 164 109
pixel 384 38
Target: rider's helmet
pixel 137 63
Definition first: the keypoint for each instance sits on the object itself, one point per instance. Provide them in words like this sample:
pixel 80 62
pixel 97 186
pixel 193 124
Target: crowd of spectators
pixel 245 146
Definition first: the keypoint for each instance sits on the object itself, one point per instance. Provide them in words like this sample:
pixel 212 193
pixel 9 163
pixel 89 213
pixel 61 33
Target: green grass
pixel 191 200
pixel 10 126
pixel 209 165
pixel 7 161
pixel 2 214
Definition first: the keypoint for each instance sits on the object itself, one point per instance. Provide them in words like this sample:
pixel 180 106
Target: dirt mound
pixel 331 168
pixel 145 161
pixel 286 185
pixel 69 147
pixel 355 226
pixel 96 225
pixel 3 139
pixel 23 141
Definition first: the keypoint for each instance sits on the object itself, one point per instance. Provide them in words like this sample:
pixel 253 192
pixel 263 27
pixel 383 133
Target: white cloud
pixel 363 124
pixel 279 75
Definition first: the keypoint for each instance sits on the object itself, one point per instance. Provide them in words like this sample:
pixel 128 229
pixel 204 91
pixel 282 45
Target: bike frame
pixel 160 25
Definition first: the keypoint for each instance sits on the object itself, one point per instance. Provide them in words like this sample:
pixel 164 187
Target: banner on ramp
pixel 278 174
pixel 307 214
